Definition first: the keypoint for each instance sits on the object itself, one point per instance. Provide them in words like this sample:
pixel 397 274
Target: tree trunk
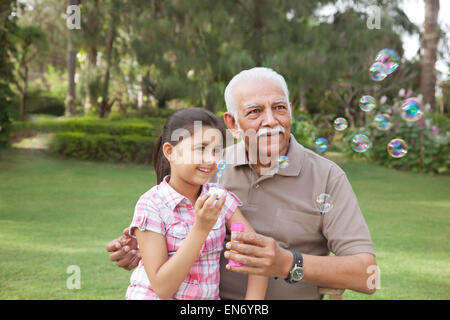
pixel 23 103
pixel 105 94
pixel 258 26
pixel 23 94
pixel 93 25
pixel 209 100
pixel 429 45
pixel 71 62
pixel 91 63
pixel 70 97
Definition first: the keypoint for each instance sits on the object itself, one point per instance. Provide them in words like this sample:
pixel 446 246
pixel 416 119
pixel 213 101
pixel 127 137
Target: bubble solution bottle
pixel 236 227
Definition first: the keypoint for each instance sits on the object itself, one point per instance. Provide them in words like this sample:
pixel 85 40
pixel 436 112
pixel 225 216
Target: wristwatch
pixel 296 273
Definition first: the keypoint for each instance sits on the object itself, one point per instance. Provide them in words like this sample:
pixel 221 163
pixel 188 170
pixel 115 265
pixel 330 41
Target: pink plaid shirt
pixel 163 210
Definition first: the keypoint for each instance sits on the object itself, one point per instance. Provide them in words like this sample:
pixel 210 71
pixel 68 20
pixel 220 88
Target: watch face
pixel 297 274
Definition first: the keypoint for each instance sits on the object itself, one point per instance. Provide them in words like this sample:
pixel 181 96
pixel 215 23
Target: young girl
pixel 179 226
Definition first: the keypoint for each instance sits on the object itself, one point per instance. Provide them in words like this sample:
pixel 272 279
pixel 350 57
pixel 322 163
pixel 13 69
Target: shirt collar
pixel 295 156
pixel 170 196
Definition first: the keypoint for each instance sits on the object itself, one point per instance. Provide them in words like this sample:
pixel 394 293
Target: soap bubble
pixel 322 198
pixel 360 143
pixel 283 162
pixel 383 121
pixel 397 148
pixel 386 55
pixel 321 144
pixel 367 103
pixel 323 204
pixel 340 124
pixel 378 72
pixel 389 58
pixel 411 109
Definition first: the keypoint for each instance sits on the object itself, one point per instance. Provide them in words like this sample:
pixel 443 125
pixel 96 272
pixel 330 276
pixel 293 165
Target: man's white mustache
pixel 270 131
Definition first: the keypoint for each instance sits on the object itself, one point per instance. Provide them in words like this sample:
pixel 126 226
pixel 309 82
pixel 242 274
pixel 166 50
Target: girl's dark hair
pixel 181 119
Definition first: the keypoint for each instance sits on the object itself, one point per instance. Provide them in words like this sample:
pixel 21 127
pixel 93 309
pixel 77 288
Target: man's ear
pixel 232 125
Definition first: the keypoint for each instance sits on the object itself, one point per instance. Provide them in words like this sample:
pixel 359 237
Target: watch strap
pixel 298 261
pixel 294 261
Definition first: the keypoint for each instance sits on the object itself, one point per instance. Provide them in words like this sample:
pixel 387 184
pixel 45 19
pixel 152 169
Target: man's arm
pixel 261 255
pixel 124 251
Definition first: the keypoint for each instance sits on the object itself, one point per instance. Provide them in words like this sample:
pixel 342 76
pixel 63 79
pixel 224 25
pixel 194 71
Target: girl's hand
pixel 205 215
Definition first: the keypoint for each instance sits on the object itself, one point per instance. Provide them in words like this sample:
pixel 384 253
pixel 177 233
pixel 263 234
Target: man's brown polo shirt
pixel 283 206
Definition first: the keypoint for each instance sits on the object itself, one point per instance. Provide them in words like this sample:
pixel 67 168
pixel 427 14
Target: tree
pixel 71 65
pixel 90 41
pixel 429 45
pixel 31 41
pixel 113 21
pixel 8 26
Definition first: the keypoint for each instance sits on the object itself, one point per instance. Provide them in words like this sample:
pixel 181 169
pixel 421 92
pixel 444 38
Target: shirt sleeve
pixel 344 225
pixel 231 204
pixel 147 217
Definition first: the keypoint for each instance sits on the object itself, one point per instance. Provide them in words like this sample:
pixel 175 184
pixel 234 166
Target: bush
pixel 303 129
pixel 428 150
pixel 105 147
pixel 151 127
pixel 39 102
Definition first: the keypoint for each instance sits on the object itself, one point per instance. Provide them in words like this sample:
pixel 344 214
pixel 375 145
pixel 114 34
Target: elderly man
pixel 294 234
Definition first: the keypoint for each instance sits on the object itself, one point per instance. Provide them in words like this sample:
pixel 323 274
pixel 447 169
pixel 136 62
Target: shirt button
pixel 257 186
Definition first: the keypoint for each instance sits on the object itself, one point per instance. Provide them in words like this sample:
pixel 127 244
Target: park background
pixel 82 102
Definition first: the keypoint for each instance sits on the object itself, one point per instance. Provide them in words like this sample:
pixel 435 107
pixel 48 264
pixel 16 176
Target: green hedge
pixel 94 126
pixel 105 147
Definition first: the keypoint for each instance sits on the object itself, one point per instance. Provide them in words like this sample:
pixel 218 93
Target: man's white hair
pixel 253 74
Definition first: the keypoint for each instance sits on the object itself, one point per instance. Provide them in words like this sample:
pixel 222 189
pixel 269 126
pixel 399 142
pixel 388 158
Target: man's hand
pixel 125 251
pixel 259 255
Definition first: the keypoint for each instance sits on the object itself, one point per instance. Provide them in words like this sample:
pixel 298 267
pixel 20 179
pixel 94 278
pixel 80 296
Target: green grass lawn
pixel 55 213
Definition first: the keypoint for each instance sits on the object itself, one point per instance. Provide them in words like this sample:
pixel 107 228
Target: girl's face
pixel 195 158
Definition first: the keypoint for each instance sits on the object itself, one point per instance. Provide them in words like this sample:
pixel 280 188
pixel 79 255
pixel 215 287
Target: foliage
pixel 43 102
pixel 8 28
pixel 146 128
pixel 31 42
pixel 103 147
pixel 303 129
pixel 428 147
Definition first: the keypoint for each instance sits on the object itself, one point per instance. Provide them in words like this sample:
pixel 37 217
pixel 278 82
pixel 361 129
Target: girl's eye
pixel 200 148
pixel 218 150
